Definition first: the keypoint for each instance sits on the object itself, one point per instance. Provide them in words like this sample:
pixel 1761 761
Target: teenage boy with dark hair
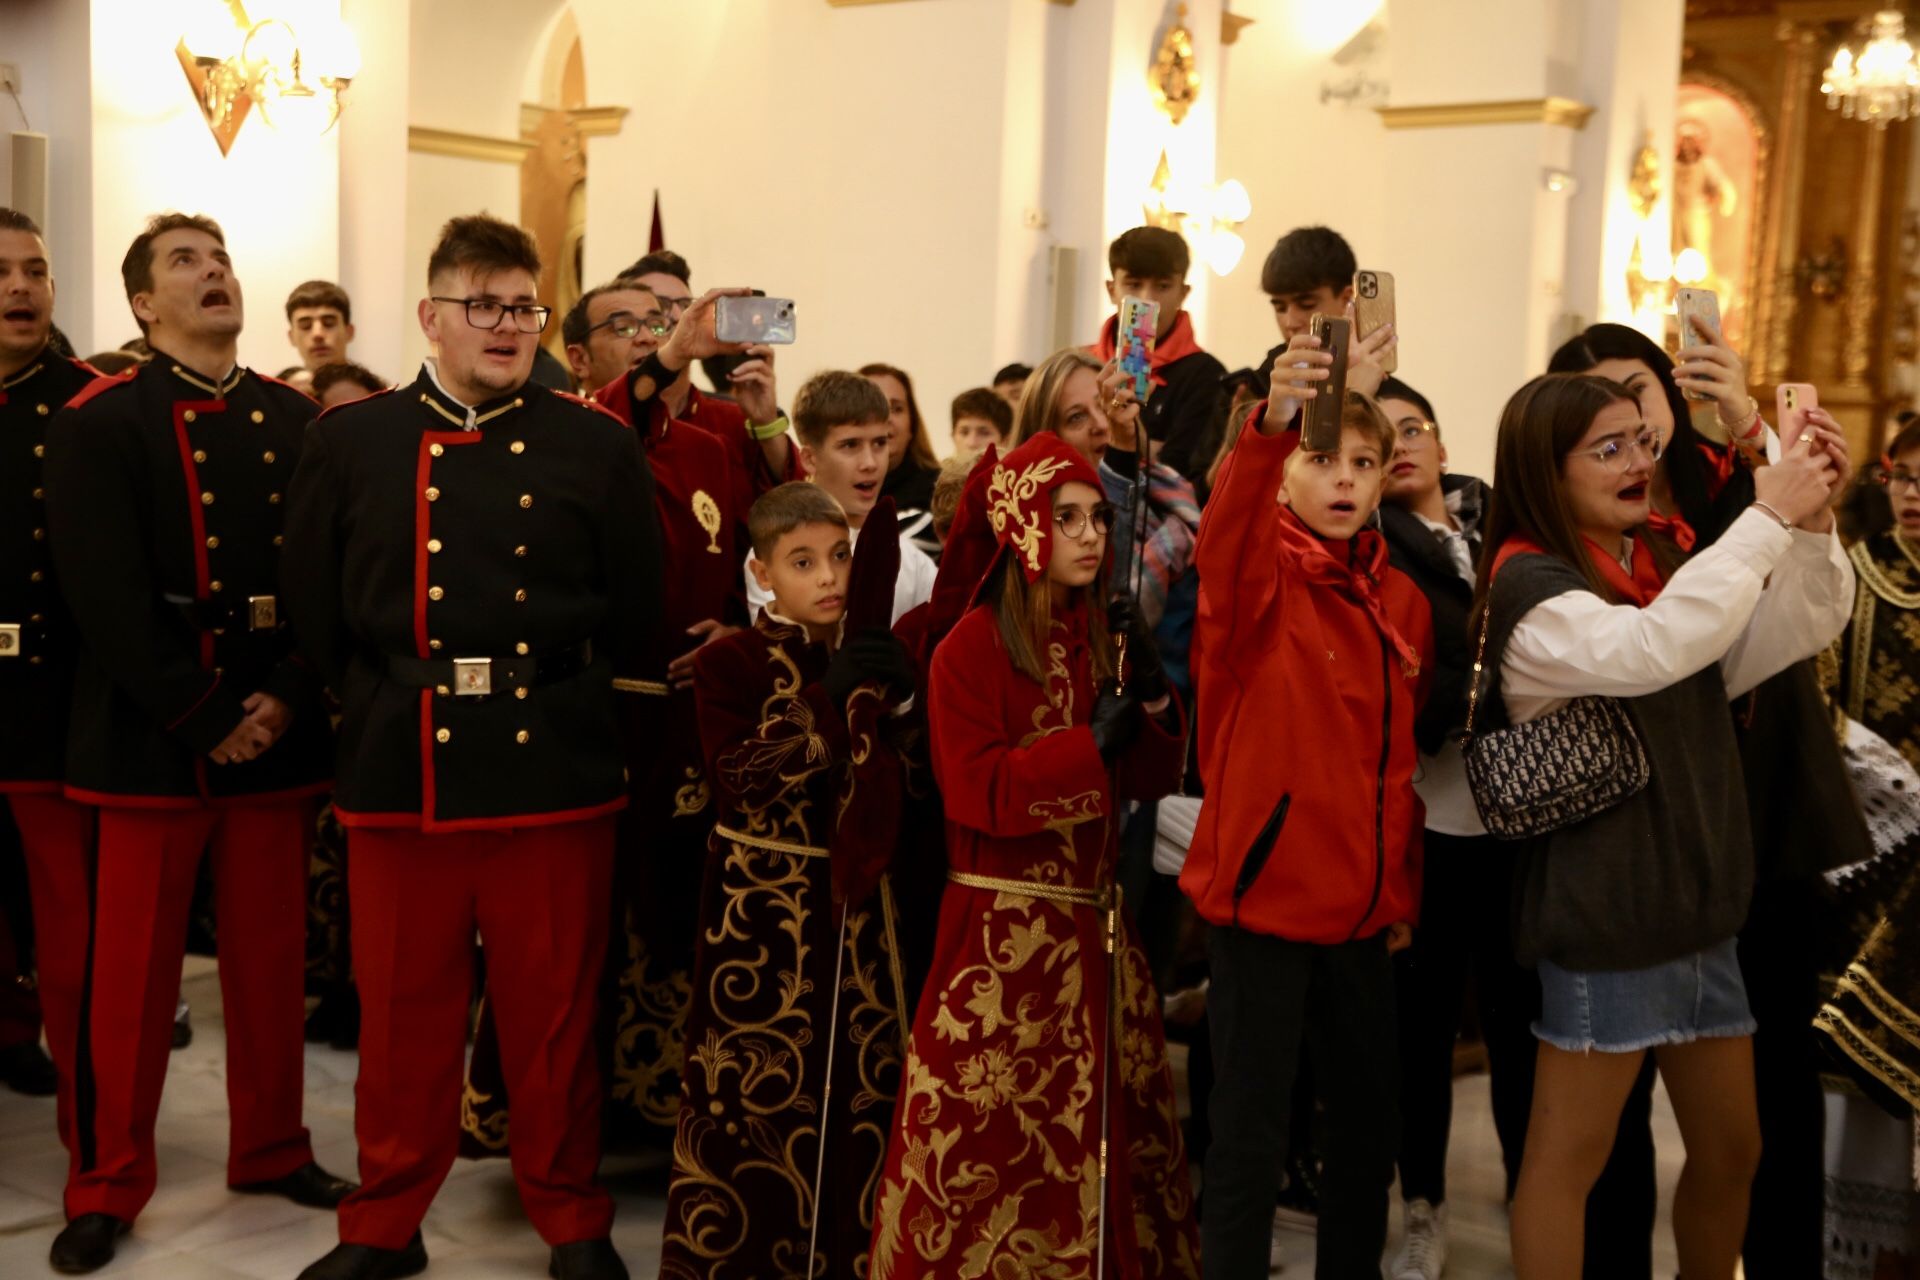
pixel 1151 263
pixel 195 729
pixel 319 323
pixel 1305 869
pixel 1011 382
pixel 841 420
pixel 469 561
pixel 784 918
pixel 343 381
pixel 1310 270
pixel 981 418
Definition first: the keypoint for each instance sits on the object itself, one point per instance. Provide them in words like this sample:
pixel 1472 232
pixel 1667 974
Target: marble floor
pixel 196 1230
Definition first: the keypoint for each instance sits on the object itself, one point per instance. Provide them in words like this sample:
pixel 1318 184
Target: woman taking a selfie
pixel 1630 910
pixel 1801 808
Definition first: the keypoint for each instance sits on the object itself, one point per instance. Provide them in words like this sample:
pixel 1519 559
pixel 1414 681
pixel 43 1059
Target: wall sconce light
pixel 1207 216
pixel 296 78
pixel 1559 181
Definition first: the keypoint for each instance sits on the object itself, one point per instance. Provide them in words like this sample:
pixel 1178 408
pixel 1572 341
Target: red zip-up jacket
pixel 1311 828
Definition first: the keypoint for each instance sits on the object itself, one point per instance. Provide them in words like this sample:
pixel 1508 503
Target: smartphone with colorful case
pixel 1139 325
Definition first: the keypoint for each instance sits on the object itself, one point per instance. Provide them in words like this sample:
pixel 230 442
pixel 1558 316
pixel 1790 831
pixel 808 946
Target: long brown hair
pixel 920 448
pixel 1025 615
pixel 1540 426
pixel 1040 402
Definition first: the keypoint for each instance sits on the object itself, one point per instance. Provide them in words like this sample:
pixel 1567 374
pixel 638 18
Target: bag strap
pixel 1479 664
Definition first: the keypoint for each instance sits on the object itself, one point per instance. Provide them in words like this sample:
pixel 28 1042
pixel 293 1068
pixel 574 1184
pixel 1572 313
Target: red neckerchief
pixel 1356 575
pixel 1674 529
pixel 1177 345
pixel 1640 590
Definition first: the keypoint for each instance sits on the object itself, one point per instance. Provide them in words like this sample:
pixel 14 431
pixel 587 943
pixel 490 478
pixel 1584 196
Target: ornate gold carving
pixel 1643 187
pixel 1863 291
pixel 707 512
pixel 1175 78
pixel 1770 349
pixel 1556 111
pixel 693 797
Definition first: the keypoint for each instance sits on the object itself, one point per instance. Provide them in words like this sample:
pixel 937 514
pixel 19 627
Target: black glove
pixel 885 660
pixel 843 675
pixel 1146 677
pixel 1115 724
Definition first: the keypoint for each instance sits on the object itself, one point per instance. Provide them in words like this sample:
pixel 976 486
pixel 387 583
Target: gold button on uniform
pixel 214 585
pixel 190 415
pixel 36 576
pixel 277 539
pixel 273 499
pixel 199 455
pixel 520 596
pixel 436 449
pixel 433 545
pixel 433 644
pixel 39 535
pixel 206 499
pixel 39 495
pixel 518 446
pixel 521 648
pixel 433 494
pixel 37 619
pixel 213 544
pixel 443 735
pixel 39 451
pixel 521 552
pixel 526 500
pixel 435 593
pixel 442 690
pixel 520 692
pixel 42 410
pixel 258 416
pixel 523 737
pixel 267 456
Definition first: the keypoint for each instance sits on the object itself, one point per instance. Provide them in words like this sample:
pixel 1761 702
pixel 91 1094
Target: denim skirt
pixel 1683 1000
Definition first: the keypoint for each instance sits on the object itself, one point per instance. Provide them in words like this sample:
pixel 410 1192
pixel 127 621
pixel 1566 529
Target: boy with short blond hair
pixel 1305 857
pixel 775 704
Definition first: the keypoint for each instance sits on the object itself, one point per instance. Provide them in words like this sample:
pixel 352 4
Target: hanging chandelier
pixel 1881 83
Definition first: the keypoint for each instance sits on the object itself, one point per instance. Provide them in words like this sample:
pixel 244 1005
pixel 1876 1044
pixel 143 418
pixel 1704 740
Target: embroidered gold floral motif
pixel 693 797
pixel 490 1130
pixel 1005 494
pixel 707 512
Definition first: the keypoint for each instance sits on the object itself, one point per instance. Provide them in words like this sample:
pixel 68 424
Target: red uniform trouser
pixel 56 835
pixel 148 860
pixel 538 896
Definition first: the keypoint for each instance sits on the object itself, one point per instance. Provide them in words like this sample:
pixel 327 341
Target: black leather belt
pixel 254 613
pixel 484 677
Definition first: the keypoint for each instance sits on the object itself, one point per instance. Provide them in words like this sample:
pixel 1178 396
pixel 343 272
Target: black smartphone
pixel 1320 425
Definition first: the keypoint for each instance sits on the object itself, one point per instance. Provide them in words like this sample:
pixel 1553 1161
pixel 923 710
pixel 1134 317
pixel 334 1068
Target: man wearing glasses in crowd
pixel 469 561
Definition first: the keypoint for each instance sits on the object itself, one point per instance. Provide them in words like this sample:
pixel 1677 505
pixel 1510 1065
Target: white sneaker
pixel 1424 1255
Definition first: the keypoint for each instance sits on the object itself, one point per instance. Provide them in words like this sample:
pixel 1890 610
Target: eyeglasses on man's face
pixel 485 313
pixel 1072 521
pixel 625 325
pixel 1617 454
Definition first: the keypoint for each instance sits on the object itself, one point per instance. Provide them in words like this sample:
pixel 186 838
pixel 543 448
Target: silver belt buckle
pixel 472 677
pixel 9 639
pixel 263 613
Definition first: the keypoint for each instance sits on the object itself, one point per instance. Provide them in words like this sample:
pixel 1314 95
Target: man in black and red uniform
pixel 194 726
pixel 469 560
pixel 36 680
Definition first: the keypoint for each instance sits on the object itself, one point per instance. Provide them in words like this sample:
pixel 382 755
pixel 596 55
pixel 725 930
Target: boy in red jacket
pixel 1305 860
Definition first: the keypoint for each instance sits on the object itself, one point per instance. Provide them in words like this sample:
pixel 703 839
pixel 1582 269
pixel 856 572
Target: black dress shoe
pixel 364 1262
pixel 309 1185
pixel 86 1244
pixel 587 1260
pixel 27 1069
pixel 182 1026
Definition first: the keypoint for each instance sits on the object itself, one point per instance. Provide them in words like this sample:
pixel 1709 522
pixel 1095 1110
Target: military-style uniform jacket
pixel 469 580
pixel 37 644
pixel 165 503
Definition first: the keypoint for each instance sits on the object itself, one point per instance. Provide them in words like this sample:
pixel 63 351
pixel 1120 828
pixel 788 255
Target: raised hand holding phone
pixel 1295 381
pixel 1320 422
pixel 1139 323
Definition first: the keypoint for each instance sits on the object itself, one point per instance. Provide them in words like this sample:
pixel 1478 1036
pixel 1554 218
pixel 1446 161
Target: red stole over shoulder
pixel 1639 590
pixel 1359 577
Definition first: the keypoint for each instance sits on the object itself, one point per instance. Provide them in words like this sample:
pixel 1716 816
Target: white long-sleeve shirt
pixel 1758 600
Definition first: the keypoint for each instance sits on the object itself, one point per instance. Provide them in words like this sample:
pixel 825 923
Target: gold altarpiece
pixel 1819 286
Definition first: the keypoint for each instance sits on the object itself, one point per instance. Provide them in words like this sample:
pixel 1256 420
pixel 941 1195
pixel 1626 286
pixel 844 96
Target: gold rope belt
pixel 658 688
pixel 1034 889
pixel 771 846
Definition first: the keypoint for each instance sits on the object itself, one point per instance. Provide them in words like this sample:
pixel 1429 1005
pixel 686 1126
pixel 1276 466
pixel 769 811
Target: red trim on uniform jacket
pixel 427 826
pixel 288 385
pixel 120 800
pixel 30 787
pixel 104 382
